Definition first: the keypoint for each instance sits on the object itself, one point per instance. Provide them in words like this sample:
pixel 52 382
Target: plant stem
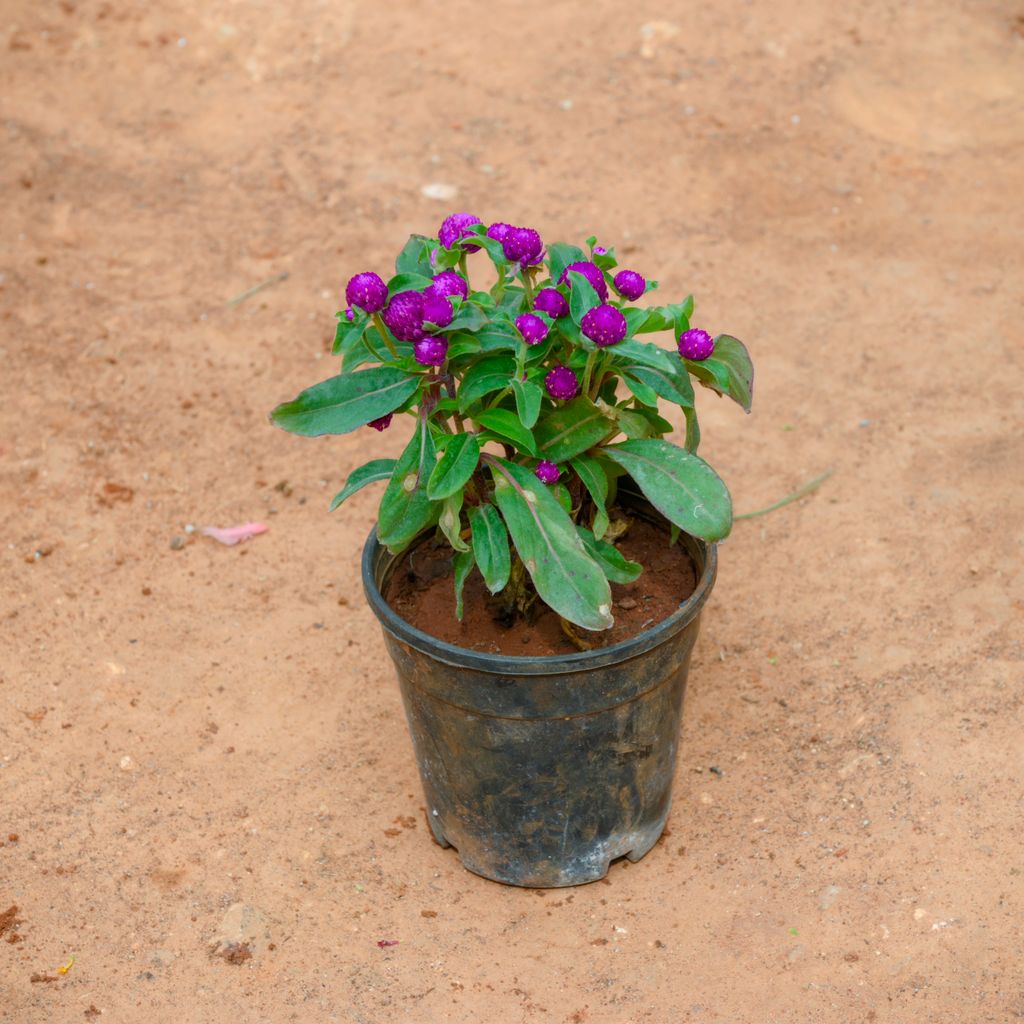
pixel 463 269
pixel 379 324
pixel 528 285
pixel 588 371
pixel 811 485
pixel 499 288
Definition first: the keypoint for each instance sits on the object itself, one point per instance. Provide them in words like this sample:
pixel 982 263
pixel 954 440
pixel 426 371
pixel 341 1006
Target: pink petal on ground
pixel 233 534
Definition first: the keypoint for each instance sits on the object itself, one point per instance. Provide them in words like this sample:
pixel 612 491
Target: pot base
pixel 584 866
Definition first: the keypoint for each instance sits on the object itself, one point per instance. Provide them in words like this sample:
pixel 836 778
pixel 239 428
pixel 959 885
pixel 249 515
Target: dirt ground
pixel 201 743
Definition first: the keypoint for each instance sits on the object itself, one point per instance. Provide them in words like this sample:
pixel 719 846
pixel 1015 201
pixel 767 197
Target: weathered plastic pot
pixel 542 771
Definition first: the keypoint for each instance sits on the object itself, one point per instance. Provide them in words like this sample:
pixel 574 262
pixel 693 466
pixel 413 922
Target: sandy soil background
pixel 197 740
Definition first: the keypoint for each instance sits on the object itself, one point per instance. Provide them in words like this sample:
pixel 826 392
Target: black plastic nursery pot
pixel 542 771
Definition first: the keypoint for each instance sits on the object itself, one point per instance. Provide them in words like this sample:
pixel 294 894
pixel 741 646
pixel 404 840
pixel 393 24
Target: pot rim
pixel 539 665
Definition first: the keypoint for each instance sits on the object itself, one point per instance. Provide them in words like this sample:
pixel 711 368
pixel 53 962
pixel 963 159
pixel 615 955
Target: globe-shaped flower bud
pixel 561 383
pixel 547 472
pixel 532 328
pixel 696 344
pixel 430 351
pixel 367 291
pixel 629 284
pixel 592 272
pixel 437 310
pixel 404 316
pixel 522 246
pixel 552 302
pixel 449 284
pixel 454 228
pixel 604 325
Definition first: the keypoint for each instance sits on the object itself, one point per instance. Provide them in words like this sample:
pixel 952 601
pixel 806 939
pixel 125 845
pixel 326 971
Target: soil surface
pixel 422 591
pixel 202 748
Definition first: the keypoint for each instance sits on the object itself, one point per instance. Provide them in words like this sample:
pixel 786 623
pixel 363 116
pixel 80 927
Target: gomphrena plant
pixel 530 401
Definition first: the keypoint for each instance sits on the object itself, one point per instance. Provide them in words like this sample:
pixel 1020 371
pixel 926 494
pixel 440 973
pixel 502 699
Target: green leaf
pixel 643 392
pixel 561 495
pixel 484 377
pixel 450 521
pixel 490 546
pixel 378 469
pixel 595 480
pixel 728 370
pixel 633 423
pixel 463 565
pixel 571 429
pixel 658 422
pixel 582 297
pixel 528 397
pixel 646 353
pixel 498 337
pixel 460 457
pixel 360 352
pixel 635 319
pixel 616 567
pixel 470 317
pixel 567 579
pixel 560 256
pixel 415 256
pixel 407 282
pixel 506 423
pixel 348 332
pixel 673 386
pixel 340 404
pixel 681 486
pixel 405 509
pixel 673 317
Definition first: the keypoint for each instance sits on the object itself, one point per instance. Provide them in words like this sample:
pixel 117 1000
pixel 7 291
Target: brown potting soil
pixel 422 591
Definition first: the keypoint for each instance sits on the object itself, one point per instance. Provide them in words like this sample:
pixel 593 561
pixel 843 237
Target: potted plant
pixel 536 466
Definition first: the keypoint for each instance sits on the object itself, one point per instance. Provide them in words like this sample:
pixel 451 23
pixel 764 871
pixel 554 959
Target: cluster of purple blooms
pixel 411 316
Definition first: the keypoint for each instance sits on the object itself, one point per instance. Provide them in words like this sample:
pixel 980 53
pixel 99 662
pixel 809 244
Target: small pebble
pixel 439 190
pixel 627 603
pixel 177 543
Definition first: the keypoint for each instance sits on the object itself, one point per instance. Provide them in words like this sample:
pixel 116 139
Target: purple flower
pixel 383 423
pixel 604 325
pixel 547 472
pixel 522 246
pixel 454 228
pixel 367 291
pixel 437 309
pixel 552 302
pixel 498 230
pixel 629 284
pixel 404 316
pixel 449 283
pixel 561 383
pixel 430 351
pixel 600 250
pixel 349 315
pixel 696 344
pixel 532 328
pixel 592 272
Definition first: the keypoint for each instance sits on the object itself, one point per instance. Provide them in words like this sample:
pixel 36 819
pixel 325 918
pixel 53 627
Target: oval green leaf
pixel 506 423
pixel 679 484
pixel 461 454
pixel 490 546
pixel 378 469
pixel 571 429
pixel 342 403
pixel 405 509
pixel 567 578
